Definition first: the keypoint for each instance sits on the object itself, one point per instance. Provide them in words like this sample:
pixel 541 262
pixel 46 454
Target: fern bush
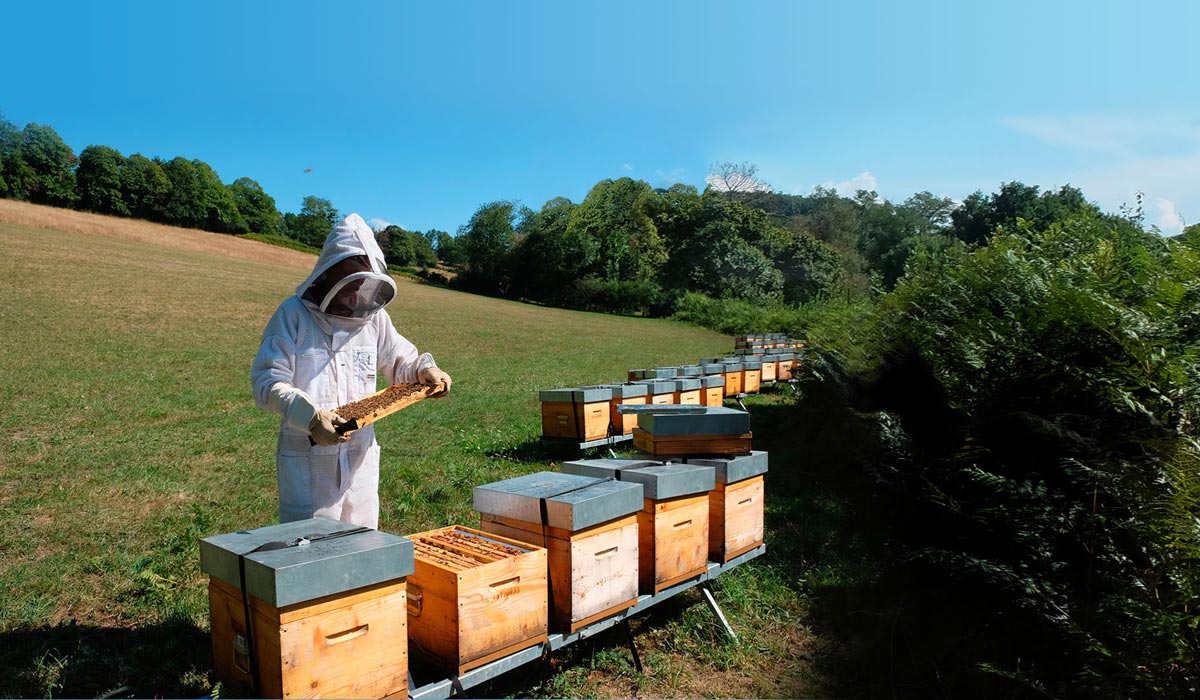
pixel 1045 476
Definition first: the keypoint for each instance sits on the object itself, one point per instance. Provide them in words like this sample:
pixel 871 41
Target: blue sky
pixel 416 114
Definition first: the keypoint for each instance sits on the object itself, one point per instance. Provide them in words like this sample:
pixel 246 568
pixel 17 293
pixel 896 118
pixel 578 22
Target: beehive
pixel 733 377
pixel 475 597
pixel 735 505
pixel 769 367
pixel 687 391
pixel 631 394
pixel 654 373
pixel 751 376
pixel 660 391
pixel 716 430
pixel 787 362
pixel 690 371
pixel 673 523
pixel 712 390
pixel 589 529
pixel 576 414
pixel 328 616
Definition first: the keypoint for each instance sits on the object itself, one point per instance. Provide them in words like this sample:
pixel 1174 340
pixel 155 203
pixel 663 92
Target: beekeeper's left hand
pixel 432 376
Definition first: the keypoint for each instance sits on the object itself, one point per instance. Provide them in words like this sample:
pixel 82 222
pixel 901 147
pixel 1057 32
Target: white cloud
pixel 378 224
pixel 1157 155
pixel 1169 219
pixel 846 188
pixel 627 166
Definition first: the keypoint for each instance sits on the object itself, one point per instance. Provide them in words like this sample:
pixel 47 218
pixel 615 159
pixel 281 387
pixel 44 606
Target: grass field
pixel 128 431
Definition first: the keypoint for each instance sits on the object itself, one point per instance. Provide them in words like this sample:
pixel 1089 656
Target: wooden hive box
pixel 590 534
pixel 690 370
pixel 328 617
pixel 628 394
pixel 687 391
pixel 654 373
pixel 712 390
pixel 673 523
pixel 751 376
pixel 735 505
pixel 769 367
pixel 787 362
pixel 475 597
pixel 581 414
pixel 715 430
pixel 733 377
pixel 660 391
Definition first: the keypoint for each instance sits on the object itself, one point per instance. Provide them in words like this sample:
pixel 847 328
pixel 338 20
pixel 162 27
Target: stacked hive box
pixel 787 362
pixel 769 367
pixel 628 394
pixel 475 597
pixel 687 391
pixel 704 430
pixel 588 526
pixel 712 390
pixel 735 505
pixel 751 375
pixel 673 522
pixel 582 414
pixel 733 377
pixel 636 375
pixel 661 391
pixel 689 370
pixel 328 612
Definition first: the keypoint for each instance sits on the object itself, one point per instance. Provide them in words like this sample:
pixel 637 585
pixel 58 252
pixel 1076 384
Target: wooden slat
pixel 691 444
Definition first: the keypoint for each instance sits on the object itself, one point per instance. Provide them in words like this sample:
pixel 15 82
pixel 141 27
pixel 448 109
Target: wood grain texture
pixel 592 571
pixel 686 397
pixel 469 614
pixel 577 421
pixel 672 541
pixel 671 445
pixel 751 381
pixel 623 424
pixel 735 513
pixel 353 647
pixel 714 396
pixel 733 383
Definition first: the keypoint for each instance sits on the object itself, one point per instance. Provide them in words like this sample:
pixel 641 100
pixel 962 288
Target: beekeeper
pixel 323 348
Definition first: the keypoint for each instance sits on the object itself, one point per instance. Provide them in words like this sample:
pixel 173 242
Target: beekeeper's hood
pixel 358 286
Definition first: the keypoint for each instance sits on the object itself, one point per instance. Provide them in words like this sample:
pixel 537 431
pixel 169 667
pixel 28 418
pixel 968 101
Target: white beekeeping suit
pixel 323 348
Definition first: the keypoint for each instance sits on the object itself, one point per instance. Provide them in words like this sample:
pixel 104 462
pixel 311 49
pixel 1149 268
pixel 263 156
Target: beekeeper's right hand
pixel 323 428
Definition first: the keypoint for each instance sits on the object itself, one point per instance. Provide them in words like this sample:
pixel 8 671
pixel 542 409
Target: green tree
pixel 144 187
pixel 446 247
pixel 486 241
pixel 198 198
pixel 98 181
pixel 49 175
pixel 550 259
pixel 312 225
pixel 979 216
pixel 614 216
pixel 256 207
pixel 13 170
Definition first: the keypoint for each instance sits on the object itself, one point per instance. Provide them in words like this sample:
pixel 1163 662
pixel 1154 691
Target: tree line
pixel 37 166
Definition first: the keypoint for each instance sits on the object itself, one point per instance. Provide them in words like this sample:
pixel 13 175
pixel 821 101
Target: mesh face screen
pixel 358 295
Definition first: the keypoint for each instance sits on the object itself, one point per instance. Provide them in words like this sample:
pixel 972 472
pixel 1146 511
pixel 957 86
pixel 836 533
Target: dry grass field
pixel 128 431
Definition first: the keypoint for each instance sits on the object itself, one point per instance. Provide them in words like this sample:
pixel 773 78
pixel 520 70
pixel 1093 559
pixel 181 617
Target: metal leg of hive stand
pixel 706 589
pixel 611 453
pixel 637 659
pixel 741 405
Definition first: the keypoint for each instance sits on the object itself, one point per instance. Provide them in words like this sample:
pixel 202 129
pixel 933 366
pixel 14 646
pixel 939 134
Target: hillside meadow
pixel 129 432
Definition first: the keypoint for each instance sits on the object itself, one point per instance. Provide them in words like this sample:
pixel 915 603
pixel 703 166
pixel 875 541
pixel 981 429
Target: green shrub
pixel 1036 489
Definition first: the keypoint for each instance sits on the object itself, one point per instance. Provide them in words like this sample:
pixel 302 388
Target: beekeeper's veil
pixel 362 285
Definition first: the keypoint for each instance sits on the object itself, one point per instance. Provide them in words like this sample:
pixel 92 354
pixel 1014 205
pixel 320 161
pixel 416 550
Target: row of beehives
pixel 591 412
pixel 554 552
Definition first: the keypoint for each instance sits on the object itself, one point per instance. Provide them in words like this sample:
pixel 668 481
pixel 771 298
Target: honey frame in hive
pixel 474 597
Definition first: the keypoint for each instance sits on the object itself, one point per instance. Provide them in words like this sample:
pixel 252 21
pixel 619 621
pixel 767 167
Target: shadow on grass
pixel 168 659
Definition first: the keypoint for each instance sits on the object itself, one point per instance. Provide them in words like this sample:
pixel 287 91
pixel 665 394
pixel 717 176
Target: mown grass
pixel 129 432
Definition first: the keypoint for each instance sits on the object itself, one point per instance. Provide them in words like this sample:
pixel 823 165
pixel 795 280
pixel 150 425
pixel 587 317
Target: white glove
pixel 323 428
pixel 432 376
